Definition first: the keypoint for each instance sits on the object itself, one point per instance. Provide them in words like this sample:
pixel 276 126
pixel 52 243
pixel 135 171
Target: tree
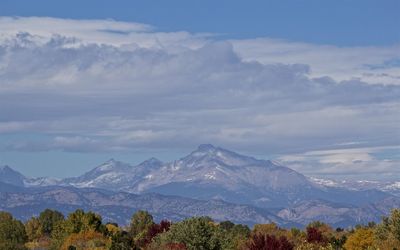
pixel 121 241
pixel 394 221
pixel 80 221
pixel 387 232
pixel 362 238
pixel 112 229
pixel 86 240
pixel 270 229
pixel 12 233
pixel 232 236
pixel 33 229
pixel 315 236
pixel 47 219
pixel 140 222
pixel 197 233
pixel 76 222
pixel 260 241
pixel 155 230
pixel 226 225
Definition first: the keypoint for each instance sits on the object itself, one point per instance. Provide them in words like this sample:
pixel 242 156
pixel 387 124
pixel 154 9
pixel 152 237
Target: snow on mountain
pixel 42 181
pixel 392 187
pixel 215 173
pixel 114 175
pixel 10 176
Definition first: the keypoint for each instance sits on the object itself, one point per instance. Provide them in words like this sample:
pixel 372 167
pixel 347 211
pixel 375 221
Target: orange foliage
pixel 88 240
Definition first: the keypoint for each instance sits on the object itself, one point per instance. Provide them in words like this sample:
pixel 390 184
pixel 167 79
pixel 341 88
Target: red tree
pixel 268 242
pixel 156 229
pixel 315 236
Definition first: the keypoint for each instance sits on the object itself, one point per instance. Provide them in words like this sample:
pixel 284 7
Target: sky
pixel 314 85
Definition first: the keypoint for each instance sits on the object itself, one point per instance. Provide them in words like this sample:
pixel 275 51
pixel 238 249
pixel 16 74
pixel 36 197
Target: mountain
pixel 209 175
pixel 338 215
pixel 10 176
pixel 392 187
pixel 215 173
pixel 119 206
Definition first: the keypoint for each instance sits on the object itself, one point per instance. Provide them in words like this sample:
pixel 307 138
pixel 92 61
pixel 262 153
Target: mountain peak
pixel 206 147
pixel 5 168
pixel 110 165
pixel 151 162
pixel 10 176
pixel 111 160
pixel 208 152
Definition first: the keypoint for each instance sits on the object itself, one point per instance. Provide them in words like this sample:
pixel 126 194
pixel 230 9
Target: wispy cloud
pixel 373 163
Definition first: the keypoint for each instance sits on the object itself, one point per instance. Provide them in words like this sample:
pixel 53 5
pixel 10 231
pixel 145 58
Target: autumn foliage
pixel 82 230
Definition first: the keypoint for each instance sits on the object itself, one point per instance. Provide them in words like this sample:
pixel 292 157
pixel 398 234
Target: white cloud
pixel 354 163
pixel 80 87
pixel 370 64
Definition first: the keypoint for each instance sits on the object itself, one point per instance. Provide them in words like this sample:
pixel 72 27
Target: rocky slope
pixel 119 206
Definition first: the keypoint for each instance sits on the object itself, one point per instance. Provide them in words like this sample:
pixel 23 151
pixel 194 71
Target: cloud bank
pixel 103 86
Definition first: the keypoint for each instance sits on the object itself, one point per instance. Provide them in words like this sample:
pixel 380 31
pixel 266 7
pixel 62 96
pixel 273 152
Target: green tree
pixel 197 233
pixel 33 229
pixel 121 241
pixel 58 235
pixel 80 221
pixel 232 236
pixel 47 219
pixel 140 223
pixel 394 221
pixel 76 222
pixel 12 233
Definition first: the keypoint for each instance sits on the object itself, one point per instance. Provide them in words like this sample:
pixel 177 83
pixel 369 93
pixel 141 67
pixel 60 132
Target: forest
pixel 86 230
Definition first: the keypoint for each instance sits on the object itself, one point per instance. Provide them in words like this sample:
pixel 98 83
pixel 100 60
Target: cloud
pixel 374 65
pixel 353 163
pixel 102 85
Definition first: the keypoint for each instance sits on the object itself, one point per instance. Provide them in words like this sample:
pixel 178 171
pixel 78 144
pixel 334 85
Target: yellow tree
pixel 86 240
pixel 361 239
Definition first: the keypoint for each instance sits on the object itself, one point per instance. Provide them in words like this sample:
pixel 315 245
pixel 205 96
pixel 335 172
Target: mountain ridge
pixel 215 174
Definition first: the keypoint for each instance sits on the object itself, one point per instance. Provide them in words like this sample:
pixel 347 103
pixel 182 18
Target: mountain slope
pixel 10 176
pixel 119 206
pixel 214 173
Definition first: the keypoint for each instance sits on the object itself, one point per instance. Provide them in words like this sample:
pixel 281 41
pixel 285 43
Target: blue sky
pixel 344 23
pixel 312 84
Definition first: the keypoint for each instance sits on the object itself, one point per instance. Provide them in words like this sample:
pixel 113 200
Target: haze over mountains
pixel 209 181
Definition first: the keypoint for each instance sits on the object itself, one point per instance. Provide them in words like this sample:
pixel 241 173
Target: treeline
pixel 85 230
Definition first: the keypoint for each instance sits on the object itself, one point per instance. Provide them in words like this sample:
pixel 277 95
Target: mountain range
pixel 210 175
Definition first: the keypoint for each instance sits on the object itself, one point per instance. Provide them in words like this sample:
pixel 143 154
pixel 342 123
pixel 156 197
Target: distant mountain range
pixel 119 206
pixel 209 175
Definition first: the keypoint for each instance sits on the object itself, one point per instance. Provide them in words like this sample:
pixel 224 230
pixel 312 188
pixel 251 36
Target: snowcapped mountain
pixel 15 178
pixel 392 187
pixel 207 173
pixel 215 173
